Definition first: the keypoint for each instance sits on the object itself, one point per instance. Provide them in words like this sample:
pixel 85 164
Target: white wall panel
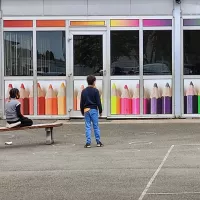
pixel 151 7
pixel 109 7
pixel 22 7
pixel 65 7
pixel 190 7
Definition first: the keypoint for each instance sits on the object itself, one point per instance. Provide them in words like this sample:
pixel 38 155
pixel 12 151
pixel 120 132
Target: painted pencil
pixel 167 100
pixel 75 99
pixel 62 100
pixel 155 100
pixel 55 103
pixel 8 92
pixel 125 101
pixel 49 101
pixel 198 102
pixel 24 100
pixel 192 100
pixel 136 101
pixel 79 96
pixel 31 102
pixel 40 101
pixel 146 102
pixel 114 100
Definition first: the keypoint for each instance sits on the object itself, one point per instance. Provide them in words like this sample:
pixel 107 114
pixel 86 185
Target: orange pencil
pixel 79 97
pixel 49 101
pixel 40 101
pixel 75 99
pixel 55 104
pixel 62 100
pixel 24 100
pixel 8 92
pixel 31 102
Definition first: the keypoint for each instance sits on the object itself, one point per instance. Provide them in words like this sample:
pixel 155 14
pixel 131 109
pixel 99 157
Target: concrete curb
pixel 154 121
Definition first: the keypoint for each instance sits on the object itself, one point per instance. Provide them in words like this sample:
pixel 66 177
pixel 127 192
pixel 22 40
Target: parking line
pixel 172 193
pixel 155 174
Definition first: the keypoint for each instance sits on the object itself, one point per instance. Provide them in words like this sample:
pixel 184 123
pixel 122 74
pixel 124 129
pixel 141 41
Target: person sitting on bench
pixel 13 113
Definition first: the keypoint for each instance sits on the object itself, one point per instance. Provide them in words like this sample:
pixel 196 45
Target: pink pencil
pixel 125 101
pixel 136 101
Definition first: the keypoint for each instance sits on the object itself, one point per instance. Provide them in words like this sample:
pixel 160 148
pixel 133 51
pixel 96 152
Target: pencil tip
pixel 10 86
pixel 22 86
pixel 167 85
pixel 125 87
pixel 191 83
pixel 155 85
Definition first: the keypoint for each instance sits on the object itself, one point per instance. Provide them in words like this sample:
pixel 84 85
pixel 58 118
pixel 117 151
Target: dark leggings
pixel 24 122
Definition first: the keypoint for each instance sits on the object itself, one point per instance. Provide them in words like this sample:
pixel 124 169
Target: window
pixel 51 52
pixel 157 52
pixel 191 52
pixel 124 53
pixel 88 55
pixel 18 53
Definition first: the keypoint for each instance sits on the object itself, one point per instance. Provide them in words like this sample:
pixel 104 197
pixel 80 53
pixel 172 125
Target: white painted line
pixel 127 151
pixel 171 193
pixel 145 133
pixel 140 143
pixel 155 174
pixel 179 145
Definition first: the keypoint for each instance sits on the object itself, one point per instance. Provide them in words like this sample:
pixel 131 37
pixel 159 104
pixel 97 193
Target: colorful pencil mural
pixel 51 98
pixel 79 85
pixel 191 96
pixel 157 97
pixel 125 97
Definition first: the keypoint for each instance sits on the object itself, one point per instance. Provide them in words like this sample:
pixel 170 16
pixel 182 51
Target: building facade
pixel 145 55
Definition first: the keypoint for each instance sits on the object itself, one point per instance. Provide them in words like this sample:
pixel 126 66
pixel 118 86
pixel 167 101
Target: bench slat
pixel 35 126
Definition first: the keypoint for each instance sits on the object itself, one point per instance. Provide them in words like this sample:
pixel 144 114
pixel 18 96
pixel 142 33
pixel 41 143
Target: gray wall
pixel 190 7
pixel 86 7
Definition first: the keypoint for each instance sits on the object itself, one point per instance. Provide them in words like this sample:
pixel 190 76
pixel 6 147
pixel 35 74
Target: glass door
pixel 87 54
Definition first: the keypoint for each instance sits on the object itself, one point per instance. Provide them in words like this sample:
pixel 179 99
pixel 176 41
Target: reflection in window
pixel 51 53
pixel 88 55
pixel 158 52
pixel 124 53
pixel 18 53
pixel 191 52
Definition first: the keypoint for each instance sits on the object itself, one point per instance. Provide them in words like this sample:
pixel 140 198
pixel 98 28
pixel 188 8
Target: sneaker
pixel 87 146
pixel 13 125
pixel 99 144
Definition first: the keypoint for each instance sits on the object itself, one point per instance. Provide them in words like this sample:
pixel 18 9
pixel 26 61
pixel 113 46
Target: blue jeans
pixel 92 116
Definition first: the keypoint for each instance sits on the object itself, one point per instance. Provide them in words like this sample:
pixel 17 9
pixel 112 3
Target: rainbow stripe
pixel 50 23
pixel 87 23
pixel 124 23
pixel 191 22
pixel 17 23
pixel 157 22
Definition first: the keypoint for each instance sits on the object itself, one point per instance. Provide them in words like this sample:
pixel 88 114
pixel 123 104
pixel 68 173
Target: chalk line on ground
pixel 155 174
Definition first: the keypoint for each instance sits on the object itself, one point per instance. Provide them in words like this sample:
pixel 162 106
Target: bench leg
pixel 49 135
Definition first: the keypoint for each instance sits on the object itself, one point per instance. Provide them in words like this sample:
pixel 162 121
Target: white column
pixel 177 59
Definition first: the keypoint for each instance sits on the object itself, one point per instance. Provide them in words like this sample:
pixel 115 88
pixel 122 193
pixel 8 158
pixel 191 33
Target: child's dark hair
pixel 14 93
pixel 91 79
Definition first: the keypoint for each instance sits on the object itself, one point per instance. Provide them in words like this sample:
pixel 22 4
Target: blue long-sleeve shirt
pixel 90 98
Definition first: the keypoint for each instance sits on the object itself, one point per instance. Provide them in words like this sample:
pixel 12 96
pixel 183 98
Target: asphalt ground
pixel 144 161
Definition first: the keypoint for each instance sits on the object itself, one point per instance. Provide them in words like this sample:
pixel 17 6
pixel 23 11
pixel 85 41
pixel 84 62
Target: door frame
pixel 104 78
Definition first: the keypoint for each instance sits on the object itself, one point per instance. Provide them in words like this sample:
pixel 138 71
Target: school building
pixel 144 53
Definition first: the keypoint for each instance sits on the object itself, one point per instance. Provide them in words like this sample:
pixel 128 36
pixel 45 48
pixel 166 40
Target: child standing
pixel 89 105
pixel 13 114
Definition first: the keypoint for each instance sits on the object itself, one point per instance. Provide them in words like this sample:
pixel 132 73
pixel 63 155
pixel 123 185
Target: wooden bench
pixel 48 129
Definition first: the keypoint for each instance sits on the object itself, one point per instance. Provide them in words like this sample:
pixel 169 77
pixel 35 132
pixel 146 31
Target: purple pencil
pixel 155 100
pixel 167 100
